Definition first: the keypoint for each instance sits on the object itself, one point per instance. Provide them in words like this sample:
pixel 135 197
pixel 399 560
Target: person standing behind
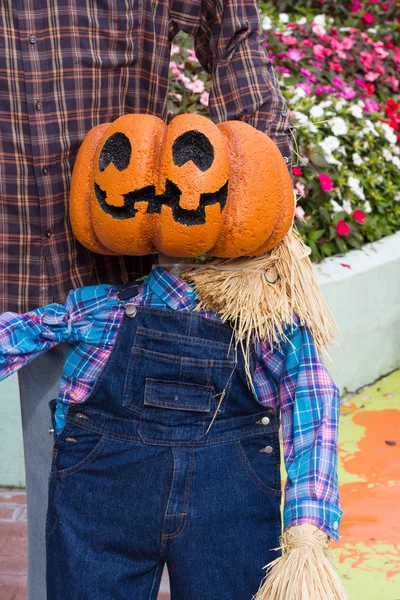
pixel 66 66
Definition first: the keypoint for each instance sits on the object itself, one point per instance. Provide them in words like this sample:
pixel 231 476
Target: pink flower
pixel 335 66
pixel 372 76
pixel 320 51
pixel 360 83
pixel 339 83
pixel 394 82
pixel 342 228
pixel 359 216
pixel 297 172
pixel 348 93
pixel 347 43
pixel 356 6
pixel 300 189
pixel 307 43
pixel 371 105
pixel 290 40
pixel 294 54
pixel 325 182
pixel 305 86
pixel 204 98
pixel 368 18
pixel 385 6
pixel 300 212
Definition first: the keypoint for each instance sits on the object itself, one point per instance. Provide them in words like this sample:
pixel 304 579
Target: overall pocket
pixel 259 458
pixel 75 448
pixel 175 383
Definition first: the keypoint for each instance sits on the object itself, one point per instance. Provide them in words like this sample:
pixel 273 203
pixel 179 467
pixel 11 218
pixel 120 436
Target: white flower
pixel 266 23
pixel 370 128
pixel 330 143
pixel 301 118
pixel 367 206
pixel 299 93
pixel 387 155
pixel 338 126
pixel 389 133
pixel 371 30
pixel 284 18
pixel 356 111
pixel 344 28
pixel 356 187
pixel 302 21
pixel 397 197
pixel 341 104
pixel 316 111
pixel 357 160
pixel 379 178
pixel 396 161
pixel 347 207
pixel 361 103
pixel 319 20
pixel 336 206
pixel 325 103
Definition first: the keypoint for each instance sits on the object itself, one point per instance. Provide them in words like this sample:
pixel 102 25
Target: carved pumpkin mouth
pixel 156 202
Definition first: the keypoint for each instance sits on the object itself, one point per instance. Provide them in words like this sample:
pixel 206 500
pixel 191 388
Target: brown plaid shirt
pixel 68 65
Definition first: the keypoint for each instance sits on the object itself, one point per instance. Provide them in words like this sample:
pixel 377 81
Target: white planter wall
pixel 365 301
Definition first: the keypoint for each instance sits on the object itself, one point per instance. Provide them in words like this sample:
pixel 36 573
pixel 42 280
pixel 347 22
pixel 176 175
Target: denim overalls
pixel 137 481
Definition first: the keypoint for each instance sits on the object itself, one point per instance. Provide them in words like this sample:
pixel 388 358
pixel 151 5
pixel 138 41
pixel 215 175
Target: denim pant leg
pixel 38 384
pixel 232 524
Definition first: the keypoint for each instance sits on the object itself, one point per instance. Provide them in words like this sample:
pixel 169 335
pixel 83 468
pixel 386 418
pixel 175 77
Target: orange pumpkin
pixel 186 189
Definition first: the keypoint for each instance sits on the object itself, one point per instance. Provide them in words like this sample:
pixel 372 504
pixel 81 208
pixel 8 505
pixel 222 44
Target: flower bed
pixel 340 76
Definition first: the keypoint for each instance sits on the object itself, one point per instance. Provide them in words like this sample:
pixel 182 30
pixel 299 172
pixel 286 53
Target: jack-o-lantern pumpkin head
pixel 190 188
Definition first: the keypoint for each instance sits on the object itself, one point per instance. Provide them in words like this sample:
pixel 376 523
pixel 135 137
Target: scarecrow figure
pixel 204 359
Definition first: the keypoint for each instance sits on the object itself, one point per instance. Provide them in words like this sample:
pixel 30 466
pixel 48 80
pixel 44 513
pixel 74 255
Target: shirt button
pixel 32 39
pixel 284 113
pixel 48 233
pixel 286 159
pixel 267 449
pixel 265 421
pixel 45 170
pixel 39 106
pixel 189 289
pixel 335 525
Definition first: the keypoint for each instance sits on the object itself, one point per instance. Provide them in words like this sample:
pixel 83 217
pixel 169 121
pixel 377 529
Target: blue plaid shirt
pixel 291 378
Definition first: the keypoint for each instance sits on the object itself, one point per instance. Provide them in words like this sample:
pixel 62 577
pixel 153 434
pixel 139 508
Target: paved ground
pixel 369 472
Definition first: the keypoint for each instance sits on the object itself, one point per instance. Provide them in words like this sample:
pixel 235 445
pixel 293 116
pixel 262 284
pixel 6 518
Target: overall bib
pixel 138 480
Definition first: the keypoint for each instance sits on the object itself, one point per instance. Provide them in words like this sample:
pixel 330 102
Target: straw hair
pixel 304 571
pixel 260 295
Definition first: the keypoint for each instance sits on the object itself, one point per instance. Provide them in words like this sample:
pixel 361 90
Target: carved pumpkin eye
pixel 192 187
pixel 116 150
pixel 195 146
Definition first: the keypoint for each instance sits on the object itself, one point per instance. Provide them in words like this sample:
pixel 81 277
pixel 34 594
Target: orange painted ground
pixel 369 548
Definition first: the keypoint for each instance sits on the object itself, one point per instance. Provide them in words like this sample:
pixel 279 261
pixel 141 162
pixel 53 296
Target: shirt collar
pixel 175 292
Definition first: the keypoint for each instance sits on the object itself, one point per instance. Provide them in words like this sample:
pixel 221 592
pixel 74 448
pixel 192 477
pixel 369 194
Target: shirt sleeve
pixel 309 404
pixel 89 316
pixel 24 337
pixel 230 46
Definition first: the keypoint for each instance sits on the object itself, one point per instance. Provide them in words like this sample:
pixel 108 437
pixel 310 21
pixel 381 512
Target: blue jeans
pixel 137 481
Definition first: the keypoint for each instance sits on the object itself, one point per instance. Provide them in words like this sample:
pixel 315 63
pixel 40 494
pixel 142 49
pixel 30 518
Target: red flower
pixel 342 228
pixel 325 182
pixel 385 6
pixel 297 172
pixel 368 18
pixel 307 43
pixel 392 104
pixel 370 89
pixel 359 216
